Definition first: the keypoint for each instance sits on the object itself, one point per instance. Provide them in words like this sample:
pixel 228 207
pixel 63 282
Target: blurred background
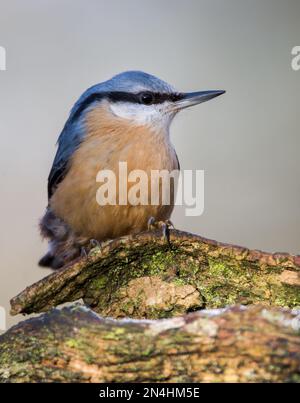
pixel 247 141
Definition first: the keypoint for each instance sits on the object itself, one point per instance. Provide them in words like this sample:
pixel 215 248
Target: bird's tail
pixel 64 244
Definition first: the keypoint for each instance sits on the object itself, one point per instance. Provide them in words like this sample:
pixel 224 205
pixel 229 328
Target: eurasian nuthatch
pixel 126 118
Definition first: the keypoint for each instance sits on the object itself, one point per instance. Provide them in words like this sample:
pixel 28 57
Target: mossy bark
pixel 241 344
pixel 143 276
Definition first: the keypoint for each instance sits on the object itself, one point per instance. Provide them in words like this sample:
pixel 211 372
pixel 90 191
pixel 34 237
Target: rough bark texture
pixel 241 344
pixel 144 277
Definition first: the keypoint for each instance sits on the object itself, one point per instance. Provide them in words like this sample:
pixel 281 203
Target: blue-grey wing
pixel 57 174
pixel 178 163
pixel 71 136
pixel 68 142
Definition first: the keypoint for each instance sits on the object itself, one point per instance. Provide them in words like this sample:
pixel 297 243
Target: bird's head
pixel 140 98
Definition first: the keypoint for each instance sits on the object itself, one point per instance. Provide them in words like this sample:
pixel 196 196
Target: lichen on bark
pixel 143 277
pixel 253 344
pixel 191 273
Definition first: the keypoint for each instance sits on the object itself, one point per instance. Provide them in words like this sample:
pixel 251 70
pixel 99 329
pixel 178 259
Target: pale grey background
pixel 246 141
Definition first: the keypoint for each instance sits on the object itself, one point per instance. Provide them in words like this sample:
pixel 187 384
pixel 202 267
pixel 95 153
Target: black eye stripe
pixel 157 98
pixel 119 96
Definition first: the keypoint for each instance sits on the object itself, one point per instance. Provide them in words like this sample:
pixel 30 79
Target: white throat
pixel 156 116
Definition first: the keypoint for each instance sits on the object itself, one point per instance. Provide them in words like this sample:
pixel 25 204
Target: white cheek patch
pixel 131 111
pixel 150 115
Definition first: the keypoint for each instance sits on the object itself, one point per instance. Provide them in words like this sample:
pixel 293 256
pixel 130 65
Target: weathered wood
pixel 239 344
pixel 143 277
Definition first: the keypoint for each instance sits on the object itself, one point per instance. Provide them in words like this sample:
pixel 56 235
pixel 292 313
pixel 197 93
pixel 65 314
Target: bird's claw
pixel 83 253
pixel 95 244
pixel 163 225
pixel 85 250
pixel 151 224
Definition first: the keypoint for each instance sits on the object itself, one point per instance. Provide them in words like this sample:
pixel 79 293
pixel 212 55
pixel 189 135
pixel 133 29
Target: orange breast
pixel 109 140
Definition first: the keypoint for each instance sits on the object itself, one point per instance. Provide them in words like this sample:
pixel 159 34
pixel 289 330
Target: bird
pixel 126 118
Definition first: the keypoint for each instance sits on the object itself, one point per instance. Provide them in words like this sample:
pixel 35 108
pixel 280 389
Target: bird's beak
pixel 194 98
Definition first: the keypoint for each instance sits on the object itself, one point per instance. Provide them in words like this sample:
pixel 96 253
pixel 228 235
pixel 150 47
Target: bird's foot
pixel 86 249
pixel 95 244
pixel 83 253
pixel 164 226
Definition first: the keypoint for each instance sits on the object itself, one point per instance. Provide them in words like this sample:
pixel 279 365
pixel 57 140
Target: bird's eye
pixel 146 98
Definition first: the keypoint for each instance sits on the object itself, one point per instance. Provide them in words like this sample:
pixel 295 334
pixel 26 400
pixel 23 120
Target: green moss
pixel 73 343
pixel 179 281
pixel 287 296
pixel 90 360
pixel 127 307
pixel 221 279
pixel 159 262
pixel 148 351
pixel 115 334
pixel 221 269
pixel 99 282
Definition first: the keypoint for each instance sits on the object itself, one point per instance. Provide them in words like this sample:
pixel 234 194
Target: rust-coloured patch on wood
pixel 290 277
